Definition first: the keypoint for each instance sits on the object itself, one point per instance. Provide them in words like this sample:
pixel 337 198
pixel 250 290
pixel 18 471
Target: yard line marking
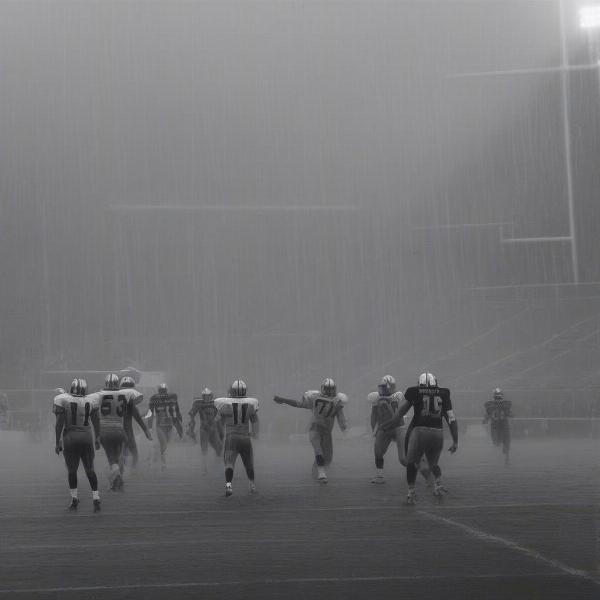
pixel 294 580
pixel 534 554
pixel 392 506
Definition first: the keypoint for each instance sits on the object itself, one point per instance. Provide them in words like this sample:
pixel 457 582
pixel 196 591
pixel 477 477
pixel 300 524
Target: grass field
pixel 527 531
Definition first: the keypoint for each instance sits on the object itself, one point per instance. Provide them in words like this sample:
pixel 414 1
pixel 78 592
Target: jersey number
pixel 324 404
pixel 432 406
pixel 235 407
pixel 86 419
pixel 107 402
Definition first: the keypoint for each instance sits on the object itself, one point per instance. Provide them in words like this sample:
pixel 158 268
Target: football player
pixel 326 406
pixel 75 414
pixel 134 398
pixel 165 408
pixel 239 415
pixel 430 404
pixel 497 412
pixel 211 431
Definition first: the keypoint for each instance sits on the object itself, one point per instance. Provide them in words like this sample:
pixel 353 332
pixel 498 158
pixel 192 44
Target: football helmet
pixel 162 388
pixel 328 387
pixel 127 382
pixel 498 394
pixel 79 387
pixel 207 394
pixel 427 380
pixel 238 389
pixel 388 384
pixel 111 382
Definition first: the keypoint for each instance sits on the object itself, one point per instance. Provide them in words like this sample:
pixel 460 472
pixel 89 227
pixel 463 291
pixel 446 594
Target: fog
pixel 283 191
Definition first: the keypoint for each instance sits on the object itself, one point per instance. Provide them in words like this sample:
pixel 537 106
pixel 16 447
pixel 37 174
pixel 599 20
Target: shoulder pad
pixel 93 399
pixel 342 398
pixel 253 401
pixel 398 396
pixel 58 400
pixel 373 397
pixel 311 394
pixel 220 402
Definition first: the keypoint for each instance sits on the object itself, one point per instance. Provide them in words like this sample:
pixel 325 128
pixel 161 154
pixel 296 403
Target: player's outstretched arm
pixel 58 428
pixel 288 401
pixel 341 419
pixel 95 416
pixel 138 419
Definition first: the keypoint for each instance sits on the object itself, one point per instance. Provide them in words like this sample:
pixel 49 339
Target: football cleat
pixel 439 490
pixel 252 487
pixel 328 387
pixel 322 477
pixel 238 389
pixel 378 480
pixel 111 382
pixel 127 382
pixel 388 385
pixel 411 498
pixel 73 506
pixel 427 380
pixel 79 387
pixel 228 490
pixel 96 506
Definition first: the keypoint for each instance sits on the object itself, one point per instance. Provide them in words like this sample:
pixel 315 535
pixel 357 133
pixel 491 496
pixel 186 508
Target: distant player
pixel 211 431
pixel 75 414
pixel 239 415
pixel 134 399
pixel 497 412
pixel 326 406
pixel 430 404
pixel 165 408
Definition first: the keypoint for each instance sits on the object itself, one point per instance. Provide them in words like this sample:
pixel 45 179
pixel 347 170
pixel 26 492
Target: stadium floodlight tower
pixel 589 16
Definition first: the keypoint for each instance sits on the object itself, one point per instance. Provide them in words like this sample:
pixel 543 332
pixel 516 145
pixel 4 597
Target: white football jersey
pixel 115 405
pixel 386 406
pixel 324 408
pixel 237 413
pixel 77 410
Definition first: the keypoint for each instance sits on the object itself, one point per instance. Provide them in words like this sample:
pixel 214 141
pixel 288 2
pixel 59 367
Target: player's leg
pixel 247 456
pixel 216 441
pixel 131 445
pixel 433 444
pixel 230 456
pixel 72 458
pixel 163 435
pixel 87 458
pixel 506 442
pixel 203 433
pixel 319 464
pixel 414 453
pixel 109 443
pixel 380 446
pixel 327 449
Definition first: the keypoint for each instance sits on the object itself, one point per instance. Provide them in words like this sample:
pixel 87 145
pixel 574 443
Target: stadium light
pixel 589 16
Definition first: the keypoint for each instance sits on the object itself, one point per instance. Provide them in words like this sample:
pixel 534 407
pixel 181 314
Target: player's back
pixel 113 407
pixel 429 405
pixel 237 414
pixel 206 411
pixel 324 408
pixel 77 410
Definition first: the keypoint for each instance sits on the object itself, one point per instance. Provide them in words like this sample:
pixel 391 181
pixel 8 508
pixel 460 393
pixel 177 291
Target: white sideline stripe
pixel 534 554
pixel 294 580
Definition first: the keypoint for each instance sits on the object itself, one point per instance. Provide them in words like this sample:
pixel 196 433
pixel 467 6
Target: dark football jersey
pixel 498 410
pixel 206 410
pixel 166 409
pixel 429 405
